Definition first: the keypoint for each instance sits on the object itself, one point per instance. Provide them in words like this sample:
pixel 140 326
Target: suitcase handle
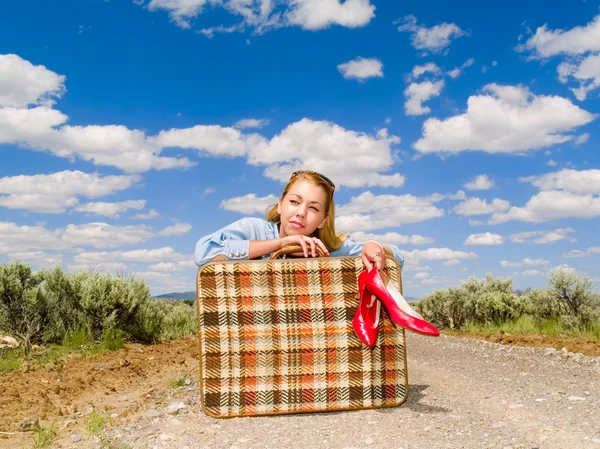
pixel 290 248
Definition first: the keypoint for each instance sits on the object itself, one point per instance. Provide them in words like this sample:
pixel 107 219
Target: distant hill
pixel 191 296
pixel 187 296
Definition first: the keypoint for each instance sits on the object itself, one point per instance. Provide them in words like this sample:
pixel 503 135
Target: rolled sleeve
pixel 232 241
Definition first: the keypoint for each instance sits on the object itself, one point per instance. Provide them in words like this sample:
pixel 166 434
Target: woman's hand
pixel 373 254
pixel 308 244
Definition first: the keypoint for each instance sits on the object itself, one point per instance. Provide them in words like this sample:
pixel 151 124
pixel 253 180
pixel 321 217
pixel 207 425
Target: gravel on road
pixel 463 393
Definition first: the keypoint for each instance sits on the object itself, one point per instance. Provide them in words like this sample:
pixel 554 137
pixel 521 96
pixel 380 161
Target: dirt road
pixel 463 393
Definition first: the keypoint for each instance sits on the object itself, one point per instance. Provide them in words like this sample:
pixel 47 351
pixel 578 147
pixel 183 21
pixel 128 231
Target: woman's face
pixel 302 210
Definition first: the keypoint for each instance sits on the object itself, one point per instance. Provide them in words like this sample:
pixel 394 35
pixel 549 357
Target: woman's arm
pixel 259 248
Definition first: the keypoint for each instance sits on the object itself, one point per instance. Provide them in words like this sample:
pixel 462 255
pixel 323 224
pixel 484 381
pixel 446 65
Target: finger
pixel 323 247
pixel 304 247
pixel 313 249
pixel 367 262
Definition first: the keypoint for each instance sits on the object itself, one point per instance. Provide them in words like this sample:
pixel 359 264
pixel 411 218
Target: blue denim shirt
pixel 233 241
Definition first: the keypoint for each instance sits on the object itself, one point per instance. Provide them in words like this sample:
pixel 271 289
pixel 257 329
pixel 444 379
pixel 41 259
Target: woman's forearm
pixel 259 248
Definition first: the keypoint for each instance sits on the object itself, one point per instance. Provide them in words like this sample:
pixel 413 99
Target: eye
pixel 294 202
pixel 316 209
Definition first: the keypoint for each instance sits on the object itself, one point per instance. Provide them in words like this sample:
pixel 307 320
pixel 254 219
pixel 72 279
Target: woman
pixel 305 215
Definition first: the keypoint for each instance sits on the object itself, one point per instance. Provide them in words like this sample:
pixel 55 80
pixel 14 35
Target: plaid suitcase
pixel 276 337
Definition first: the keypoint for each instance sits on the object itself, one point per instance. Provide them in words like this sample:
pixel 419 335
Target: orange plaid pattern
pixel 276 337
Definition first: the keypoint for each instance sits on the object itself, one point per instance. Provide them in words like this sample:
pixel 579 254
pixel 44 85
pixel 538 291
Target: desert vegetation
pixel 84 310
pixel 567 306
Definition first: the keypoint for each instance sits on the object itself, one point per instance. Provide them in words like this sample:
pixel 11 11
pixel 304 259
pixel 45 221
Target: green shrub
pixel 77 309
pixel 180 320
pixel 575 294
pixel 566 305
pixel 23 306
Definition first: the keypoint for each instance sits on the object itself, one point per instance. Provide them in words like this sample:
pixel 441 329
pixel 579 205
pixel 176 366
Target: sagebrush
pixel 568 302
pixel 51 306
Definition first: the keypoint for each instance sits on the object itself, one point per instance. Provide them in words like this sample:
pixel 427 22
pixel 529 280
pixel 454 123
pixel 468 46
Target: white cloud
pixel 591 251
pixel 455 73
pixel 100 267
pixel 173 266
pixel 38 259
pixel 249 204
pixel 451 262
pixel 486 238
pixel 439 254
pixel 56 192
pixel 579 197
pixel 580 45
pixel 391 238
pixel 417 93
pixel 164 254
pixel 111 209
pixel 176 229
pixel 27 238
pixel 413 265
pixel 552 163
pixel 505 119
pixel 434 39
pixel 23 84
pixel 181 11
pixel 551 205
pixel 43 129
pixel 31 241
pixel 430 67
pixel 262 14
pixel 585 71
pixel 151 214
pixel 478 206
pixel 531 273
pixel 347 157
pixel 210 32
pixel 576 181
pixel 361 69
pixel 251 123
pixel 209 139
pixel 103 235
pixel 160 282
pixel 305 144
pixel 578 40
pixel 543 236
pixel 481 182
pixel 527 262
pixel 368 211
pixel 563 267
pixel 319 14
pixel 430 281
pixel 581 139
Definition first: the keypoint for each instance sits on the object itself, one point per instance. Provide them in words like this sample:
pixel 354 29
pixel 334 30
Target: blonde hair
pixel 327 233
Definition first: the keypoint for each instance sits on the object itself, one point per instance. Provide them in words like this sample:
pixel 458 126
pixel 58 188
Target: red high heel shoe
pixel 376 283
pixel 366 319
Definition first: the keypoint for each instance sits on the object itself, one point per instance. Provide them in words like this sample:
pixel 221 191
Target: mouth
pixel 296 224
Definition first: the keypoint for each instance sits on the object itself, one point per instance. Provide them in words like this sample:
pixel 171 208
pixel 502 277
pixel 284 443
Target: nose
pixel 301 211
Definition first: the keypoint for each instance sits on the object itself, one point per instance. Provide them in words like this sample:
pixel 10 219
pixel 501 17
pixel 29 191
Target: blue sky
pixel 466 133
